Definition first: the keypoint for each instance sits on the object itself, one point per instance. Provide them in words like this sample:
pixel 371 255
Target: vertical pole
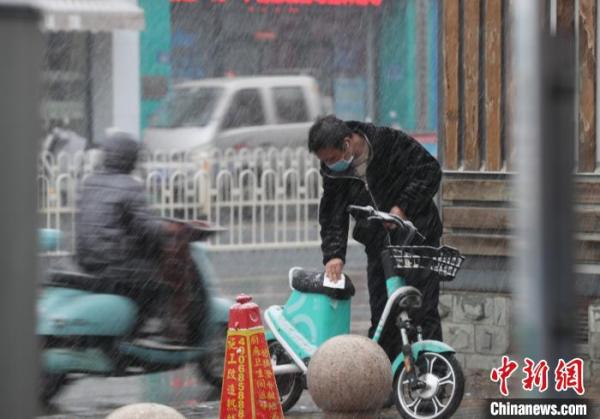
pixel 558 157
pixel 585 22
pixel 371 66
pixel 422 66
pixel 126 80
pixel 527 140
pixel 450 84
pixel 544 136
pixel 21 51
pixel 553 17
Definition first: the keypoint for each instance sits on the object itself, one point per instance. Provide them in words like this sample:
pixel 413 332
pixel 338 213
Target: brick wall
pixel 478 326
pixel 594 335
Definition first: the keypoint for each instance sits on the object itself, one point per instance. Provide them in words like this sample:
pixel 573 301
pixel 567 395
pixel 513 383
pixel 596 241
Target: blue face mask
pixel 341 165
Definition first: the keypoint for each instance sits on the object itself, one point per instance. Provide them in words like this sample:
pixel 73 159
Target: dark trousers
pixel 427 316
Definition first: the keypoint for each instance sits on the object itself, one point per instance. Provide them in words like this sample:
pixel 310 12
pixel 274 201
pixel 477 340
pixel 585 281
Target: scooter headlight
pixel 411 301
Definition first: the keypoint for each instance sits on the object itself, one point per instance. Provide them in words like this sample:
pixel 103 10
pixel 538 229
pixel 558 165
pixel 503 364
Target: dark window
pixel 154 87
pixel 67 94
pixel 246 110
pixel 290 105
pixel 187 108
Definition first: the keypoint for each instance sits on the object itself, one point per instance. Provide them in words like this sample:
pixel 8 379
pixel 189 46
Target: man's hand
pixel 172 227
pixel 398 212
pixel 177 235
pixel 333 269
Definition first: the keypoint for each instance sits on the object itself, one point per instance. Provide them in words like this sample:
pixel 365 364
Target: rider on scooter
pixel 117 237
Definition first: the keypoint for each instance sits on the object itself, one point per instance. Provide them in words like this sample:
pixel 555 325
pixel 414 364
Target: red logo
pixel 536 375
pixel 569 375
pixel 503 373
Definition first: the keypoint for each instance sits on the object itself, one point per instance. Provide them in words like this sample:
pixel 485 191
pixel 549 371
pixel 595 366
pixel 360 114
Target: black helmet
pixel 120 152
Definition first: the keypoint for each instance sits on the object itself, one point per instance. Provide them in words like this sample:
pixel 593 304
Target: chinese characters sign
pixel 361 3
pixel 338 3
pixel 249 387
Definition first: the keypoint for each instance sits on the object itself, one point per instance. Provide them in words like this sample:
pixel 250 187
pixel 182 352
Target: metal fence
pixel 265 198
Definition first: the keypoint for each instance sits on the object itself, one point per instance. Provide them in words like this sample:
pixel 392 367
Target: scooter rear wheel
pixel 50 385
pixel 289 386
pixel 211 366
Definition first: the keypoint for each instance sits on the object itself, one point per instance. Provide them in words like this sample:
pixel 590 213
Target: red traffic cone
pixel 249 388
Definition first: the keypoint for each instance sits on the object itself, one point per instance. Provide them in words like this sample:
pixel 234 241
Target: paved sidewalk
pixel 97 397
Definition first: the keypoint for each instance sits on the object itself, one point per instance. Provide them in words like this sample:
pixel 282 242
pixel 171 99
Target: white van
pixel 238 112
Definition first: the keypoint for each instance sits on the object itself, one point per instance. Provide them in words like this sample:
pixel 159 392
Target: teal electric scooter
pixel 85 331
pixel 428 381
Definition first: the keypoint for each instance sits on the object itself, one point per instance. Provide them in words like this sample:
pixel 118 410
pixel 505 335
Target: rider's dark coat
pixel 400 173
pixel 116 235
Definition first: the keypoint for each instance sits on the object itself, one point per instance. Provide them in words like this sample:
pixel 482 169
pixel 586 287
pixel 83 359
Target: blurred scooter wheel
pixel 50 385
pixel 212 364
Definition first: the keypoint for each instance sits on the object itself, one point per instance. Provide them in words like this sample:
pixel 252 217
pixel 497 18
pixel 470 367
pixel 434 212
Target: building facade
pixel 374 59
pixel 91 66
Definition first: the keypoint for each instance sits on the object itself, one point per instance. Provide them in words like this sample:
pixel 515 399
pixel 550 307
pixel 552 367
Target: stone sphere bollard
pixel 349 373
pixel 145 411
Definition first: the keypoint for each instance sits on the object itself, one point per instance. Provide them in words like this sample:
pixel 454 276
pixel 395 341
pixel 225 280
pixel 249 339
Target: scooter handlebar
pixel 372 214
pixel 199 230
pixel 357 208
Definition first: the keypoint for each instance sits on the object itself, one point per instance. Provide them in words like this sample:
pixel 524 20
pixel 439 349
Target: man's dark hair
pixel 327 132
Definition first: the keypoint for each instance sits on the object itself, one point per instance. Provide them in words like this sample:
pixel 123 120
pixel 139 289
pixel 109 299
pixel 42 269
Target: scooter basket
pixel 445 261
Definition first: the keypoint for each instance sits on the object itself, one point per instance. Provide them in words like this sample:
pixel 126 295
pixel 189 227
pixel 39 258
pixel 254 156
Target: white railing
pixel 264 198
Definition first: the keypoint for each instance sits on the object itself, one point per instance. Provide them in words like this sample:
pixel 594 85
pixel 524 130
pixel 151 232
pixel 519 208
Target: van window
pixel 246 110
pixel 290 105
pixel 186 107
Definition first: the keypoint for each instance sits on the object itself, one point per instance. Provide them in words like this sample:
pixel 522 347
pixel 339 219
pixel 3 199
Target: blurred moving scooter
pixel 86 330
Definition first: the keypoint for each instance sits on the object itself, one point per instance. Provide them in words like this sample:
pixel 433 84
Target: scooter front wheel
pixel 289 386
pixel 441 394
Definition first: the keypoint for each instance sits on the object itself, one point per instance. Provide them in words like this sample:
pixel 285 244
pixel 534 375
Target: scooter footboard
pixel 65 360
pixel 422 346
pixel 67 312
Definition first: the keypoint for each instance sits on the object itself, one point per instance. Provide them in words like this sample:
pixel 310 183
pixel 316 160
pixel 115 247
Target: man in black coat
pixel 367 165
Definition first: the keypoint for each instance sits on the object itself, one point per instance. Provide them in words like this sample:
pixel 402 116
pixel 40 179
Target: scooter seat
pixel 86 282
pixel 312 282
pixel 72 279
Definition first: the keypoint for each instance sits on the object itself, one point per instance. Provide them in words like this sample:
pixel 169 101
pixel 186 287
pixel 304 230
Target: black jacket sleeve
pixel 421 171
pixel 141 221
pixel 334 219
